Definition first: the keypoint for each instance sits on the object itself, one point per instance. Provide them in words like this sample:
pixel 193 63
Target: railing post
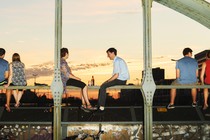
pixel 57 86
pixel 148 85
pixel 148 90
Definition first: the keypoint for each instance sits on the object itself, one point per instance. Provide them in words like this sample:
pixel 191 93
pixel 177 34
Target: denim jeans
pixel 102 91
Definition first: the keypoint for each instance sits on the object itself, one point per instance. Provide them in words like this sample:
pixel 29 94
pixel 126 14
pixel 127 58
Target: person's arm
pixel 24 70
pixel 115 76
pixel 71 75
pixel 6 74
pixel 74 77
pixel 10 76
pixel 177 73
pixel 202 73
pixel 116 72
pixel 197 73
pixel 68 74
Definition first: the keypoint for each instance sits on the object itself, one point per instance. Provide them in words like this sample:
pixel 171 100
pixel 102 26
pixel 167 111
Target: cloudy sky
pixel 90 27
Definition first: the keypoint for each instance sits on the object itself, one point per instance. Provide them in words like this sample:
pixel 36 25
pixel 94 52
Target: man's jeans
pixel 102 90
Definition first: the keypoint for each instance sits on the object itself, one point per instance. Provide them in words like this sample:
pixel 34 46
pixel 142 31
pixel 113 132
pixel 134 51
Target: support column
pixel 148 84
pixel 57 86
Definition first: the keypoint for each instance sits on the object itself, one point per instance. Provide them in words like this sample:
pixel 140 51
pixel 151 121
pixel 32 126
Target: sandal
pixel 7 108
pixel 91 108
pixel 205 107
pixel 17 105
pixel 84 108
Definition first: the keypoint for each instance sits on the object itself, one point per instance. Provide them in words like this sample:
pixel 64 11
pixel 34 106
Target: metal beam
pixel 57 86
pixel 197 10
pixel 148 84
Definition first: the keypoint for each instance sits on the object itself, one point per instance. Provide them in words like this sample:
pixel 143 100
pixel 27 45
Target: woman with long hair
pixel 16 77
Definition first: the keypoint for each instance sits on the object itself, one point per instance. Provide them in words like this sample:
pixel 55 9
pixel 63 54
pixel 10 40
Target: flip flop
pixel 205 107
pixel 84 108
pixel 7 108
pixel 17 105
pixel 91 108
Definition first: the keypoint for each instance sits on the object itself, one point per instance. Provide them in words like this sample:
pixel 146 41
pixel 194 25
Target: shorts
pixel 206 83
pixel 3 82
pixel 175 82
pixel 75 83
pixel 16 85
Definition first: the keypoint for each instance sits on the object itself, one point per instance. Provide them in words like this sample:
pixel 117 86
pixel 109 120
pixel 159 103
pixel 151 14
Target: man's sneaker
pixel 194 104
pixel 170 106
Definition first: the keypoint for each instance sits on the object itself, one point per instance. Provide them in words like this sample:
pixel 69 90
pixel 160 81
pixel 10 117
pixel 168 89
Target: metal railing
pixel 115 87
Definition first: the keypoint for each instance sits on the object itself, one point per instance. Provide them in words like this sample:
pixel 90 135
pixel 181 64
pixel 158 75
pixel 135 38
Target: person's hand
pixel 6 86
pixel 105 82
pixel 78 79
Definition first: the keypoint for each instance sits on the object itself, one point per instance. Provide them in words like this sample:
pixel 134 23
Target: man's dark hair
pixel 2 51
pixel 64 51
pixel 186 51
pixel 112 50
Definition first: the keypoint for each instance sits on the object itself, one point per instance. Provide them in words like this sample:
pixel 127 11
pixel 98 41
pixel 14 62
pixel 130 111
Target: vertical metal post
pixel 57 86
pixel 148 84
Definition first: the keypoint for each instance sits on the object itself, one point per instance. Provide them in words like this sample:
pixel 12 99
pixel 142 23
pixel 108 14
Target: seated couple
pixel 12 74
pixel 119 77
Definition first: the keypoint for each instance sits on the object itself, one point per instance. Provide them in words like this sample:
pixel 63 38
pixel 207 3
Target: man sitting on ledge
pixel 4 74
pixel 120 76
pixel 186 74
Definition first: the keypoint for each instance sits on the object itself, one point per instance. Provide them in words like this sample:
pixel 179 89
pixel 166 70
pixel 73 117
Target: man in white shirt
pixel 120 76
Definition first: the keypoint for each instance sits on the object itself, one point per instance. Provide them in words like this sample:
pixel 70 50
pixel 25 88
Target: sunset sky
pixel 90 27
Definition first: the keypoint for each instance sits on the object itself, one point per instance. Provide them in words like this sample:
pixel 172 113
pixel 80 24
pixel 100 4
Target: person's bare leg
pixel 19 96
pixel 82 99
pixel 65 99
pixel 194 94
pixel 172 96
pixel 206 95
pixel 85 95
pixel 8 98
pixel 15 94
